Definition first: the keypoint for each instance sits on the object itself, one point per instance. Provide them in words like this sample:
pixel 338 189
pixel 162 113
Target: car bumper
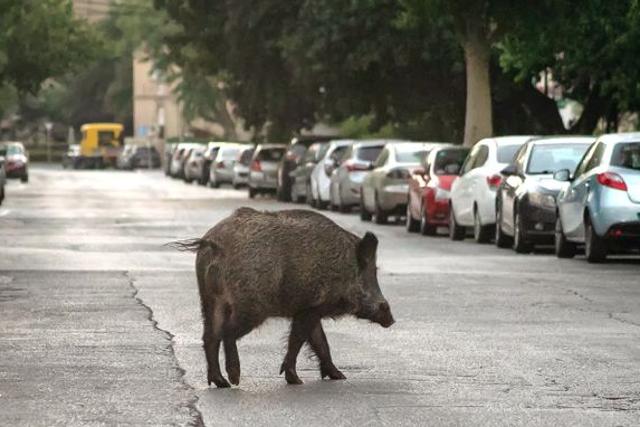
pixel 393 197
pixel 15 171
pixel 260 180
pixel 438 212
pixel 539 221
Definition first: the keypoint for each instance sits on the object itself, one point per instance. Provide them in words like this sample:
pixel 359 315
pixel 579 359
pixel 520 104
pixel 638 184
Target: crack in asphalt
pixel 191 404
pixel 612 316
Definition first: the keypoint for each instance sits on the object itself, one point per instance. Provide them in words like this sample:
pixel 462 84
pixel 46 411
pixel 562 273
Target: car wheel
pixel 426 228
pixel 412 225
pixel 595 248
pixel 520 243
pixel 1 194
pixel 252 193
pixel 24 178
pixel 321 204
pixel 213 181
pixel 502 240
pixel 380 216
pixel 310 200
pixel 456 232
pixel 341 206
pixel 364 213
pixel 481 233
pixel 563 247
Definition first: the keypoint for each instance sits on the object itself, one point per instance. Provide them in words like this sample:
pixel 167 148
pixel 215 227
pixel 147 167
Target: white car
pixel 321 175
pixel 473 194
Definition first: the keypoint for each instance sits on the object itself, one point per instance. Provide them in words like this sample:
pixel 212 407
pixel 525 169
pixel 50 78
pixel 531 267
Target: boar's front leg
pixel 300 330
pixel 320 346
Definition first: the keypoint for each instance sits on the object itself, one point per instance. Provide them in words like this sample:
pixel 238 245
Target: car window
pixel 548 159
pixel 449 161
pixel 410 155
pixel 596 157
pixel 481 157
pixel 369 154
pixel 507 152
pixel 230 153
pixel 245 157
pixel 582 165
pixel 337 153
pixel 382 158
pixel 310 155
pixel 271 154
pixel 519 157
pixel 471 159
pixel 626 155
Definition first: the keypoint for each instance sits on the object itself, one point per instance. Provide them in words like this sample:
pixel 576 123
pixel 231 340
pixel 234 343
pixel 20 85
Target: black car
pixel 526 199
pixel 292 159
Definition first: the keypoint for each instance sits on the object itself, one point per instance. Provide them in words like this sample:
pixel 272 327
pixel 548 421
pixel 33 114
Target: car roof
pixel 508 140
pixel 342 142
pixel 551 140
pixel 272 146
pixel 612 138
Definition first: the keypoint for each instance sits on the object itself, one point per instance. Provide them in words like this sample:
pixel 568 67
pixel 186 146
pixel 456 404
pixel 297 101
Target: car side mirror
pixel 509 170
pixel 563 175
pixel 370 166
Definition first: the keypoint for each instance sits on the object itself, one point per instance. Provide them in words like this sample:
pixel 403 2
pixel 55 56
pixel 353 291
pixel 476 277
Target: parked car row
pixel 14 163
pixel 138 157
pixel 518 191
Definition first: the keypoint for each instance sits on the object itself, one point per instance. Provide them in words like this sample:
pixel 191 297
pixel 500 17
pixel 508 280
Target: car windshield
pixel 546 159
pixel 507 152
pixel 271 154
pixel 410 155
pixel 230 153
pixel 626 155
pixel 449 162
pixel 245 157
pixel 369 154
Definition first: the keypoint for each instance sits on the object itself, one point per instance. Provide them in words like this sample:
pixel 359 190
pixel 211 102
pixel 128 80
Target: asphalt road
pixel 100 323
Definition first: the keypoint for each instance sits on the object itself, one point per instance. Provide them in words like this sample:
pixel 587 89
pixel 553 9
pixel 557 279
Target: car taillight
pixel 255 166
pixel 494 181
pixel 220 164
pixel 611 180
pixel 353 166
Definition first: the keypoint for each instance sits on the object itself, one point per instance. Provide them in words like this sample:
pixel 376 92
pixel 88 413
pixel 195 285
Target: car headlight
pixel 543 200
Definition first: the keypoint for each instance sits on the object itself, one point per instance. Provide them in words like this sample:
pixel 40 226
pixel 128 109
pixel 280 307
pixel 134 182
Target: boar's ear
pixel 366 249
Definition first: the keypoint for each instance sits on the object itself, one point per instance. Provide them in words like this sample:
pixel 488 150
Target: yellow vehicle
pixel 100 146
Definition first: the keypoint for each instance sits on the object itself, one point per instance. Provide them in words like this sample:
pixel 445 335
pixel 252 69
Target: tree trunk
pixel 478 122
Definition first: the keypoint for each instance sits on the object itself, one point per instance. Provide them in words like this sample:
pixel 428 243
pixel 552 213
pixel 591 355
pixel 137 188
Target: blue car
pixel 600 207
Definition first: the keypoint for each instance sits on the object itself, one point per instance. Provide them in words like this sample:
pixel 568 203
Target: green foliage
pixel 41 39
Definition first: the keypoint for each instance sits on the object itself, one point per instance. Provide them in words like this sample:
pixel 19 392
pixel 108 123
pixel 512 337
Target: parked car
pixel 301 176
pixel 124 157
pixel 71 157
pixel 263 172
pixel 385 189
pixel 429 189
pixel 221 170
pixel 292 159
pixel 3 179
pixel 180 157
pixel 600 207
pixel 207 159
pixel 241 168
pixel 346 180
pixel 526 199
pixel 169 149
pixel 138 156
pixel 473 194
pixel 320 178
pixel 193 164
pixel 16 160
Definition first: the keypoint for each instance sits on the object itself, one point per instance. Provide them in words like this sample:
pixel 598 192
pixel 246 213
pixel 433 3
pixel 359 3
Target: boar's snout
pixel 383 315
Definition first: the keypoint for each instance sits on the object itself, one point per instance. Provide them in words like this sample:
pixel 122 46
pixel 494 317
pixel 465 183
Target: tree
pixel 41 39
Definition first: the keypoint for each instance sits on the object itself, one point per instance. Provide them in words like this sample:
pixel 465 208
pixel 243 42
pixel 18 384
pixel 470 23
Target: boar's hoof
pixel 290 375
pixel 332 372
pixel 218 380
pixel 234 374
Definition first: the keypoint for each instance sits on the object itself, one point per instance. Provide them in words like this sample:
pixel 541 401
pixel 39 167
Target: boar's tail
pixel 194 245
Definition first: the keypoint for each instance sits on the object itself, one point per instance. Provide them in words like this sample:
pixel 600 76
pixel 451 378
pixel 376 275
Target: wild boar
pixel 294 264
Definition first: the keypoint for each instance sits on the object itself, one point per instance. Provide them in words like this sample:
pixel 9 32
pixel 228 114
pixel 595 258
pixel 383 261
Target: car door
pixel 575 198
pixel 461 189
pixel 509 190
pixel 371 180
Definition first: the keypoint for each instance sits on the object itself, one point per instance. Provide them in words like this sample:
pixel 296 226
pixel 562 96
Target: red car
pixel 429 186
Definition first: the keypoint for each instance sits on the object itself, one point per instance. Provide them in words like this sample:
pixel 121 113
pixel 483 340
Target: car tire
pixel 364 213
pixel 563 248
pixel 379 216
pixel 252 192
pixel 310 200
pixel 426 228
pixel 412 225
pixel 595 248
pixel 481 233
pixel 213 182
pixel 341 206
pixel 456 232
pixel 24 178
pixel 1 194
pixel 502 240
pixel 520 242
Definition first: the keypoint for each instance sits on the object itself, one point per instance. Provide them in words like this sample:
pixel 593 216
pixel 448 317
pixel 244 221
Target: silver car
pixel 221 170
pixel 320 178
pixel 263 171
pixel 193 164
pixel 241 168
pixel 355 164
pixel 600 207
pixel 385 190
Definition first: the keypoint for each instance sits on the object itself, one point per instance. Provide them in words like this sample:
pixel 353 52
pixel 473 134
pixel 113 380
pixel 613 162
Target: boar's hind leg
pixel 212 337
pixel 300 330
pixel 232 361
pixel 320 346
